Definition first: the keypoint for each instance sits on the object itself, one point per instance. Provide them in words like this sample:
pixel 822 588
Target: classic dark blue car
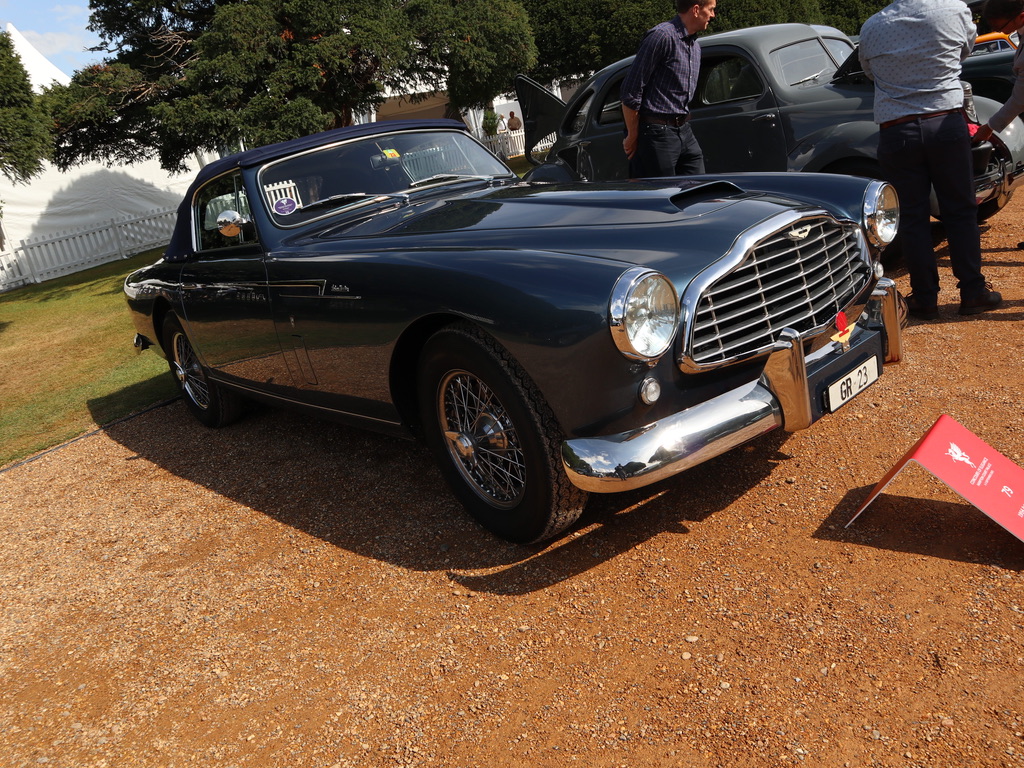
pixel 545 340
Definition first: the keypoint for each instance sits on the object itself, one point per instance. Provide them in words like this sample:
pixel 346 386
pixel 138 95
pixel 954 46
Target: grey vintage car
pixel 770 98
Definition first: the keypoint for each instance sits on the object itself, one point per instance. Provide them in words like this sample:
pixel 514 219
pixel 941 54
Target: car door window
pixel 727 79
pixel 576 121
pixel 839 49
pixel 224 193
pixel 611 105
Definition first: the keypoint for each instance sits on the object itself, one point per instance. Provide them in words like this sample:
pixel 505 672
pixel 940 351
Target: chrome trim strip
pixel 642 456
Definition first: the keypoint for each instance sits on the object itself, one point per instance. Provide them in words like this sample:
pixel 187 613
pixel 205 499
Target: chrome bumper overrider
pixel 780 398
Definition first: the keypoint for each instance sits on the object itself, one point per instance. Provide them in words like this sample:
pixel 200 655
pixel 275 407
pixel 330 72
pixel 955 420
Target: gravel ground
pixel 291 593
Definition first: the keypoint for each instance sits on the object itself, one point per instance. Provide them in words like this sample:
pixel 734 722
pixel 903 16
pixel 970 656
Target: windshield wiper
pixel 440 178
pixel 351 197
pixel 815 76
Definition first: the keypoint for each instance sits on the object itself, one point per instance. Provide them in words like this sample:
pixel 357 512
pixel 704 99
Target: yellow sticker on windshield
pixel 393 153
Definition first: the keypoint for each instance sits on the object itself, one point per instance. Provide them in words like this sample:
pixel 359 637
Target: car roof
pixel 989 37
pixel 260 155
pixel 770 35
pixel 181 237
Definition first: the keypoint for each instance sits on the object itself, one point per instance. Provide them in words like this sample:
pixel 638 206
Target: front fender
pixel 551 172
pixel 845 143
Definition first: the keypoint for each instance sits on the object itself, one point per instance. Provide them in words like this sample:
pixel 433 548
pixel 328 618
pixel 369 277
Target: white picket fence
pixel 512 143
pixel 39 259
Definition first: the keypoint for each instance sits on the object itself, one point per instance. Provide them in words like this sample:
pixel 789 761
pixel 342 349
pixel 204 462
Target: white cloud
pixel 78 14
pixel 51 43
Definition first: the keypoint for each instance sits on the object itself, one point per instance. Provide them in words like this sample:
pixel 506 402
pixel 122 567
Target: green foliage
pixel 575 39
pixel 472 48
pixel 489 123
pixel 850 15
pixel 24 125
pixel 737 14
pixel 204 75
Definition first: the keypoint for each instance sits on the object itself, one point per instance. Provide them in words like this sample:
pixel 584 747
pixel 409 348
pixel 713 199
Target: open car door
pixel 542 112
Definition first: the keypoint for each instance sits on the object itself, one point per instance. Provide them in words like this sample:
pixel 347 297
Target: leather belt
pixel 917 118
pixel 675 120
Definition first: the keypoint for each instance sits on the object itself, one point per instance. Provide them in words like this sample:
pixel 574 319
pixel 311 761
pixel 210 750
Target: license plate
pixel 852 384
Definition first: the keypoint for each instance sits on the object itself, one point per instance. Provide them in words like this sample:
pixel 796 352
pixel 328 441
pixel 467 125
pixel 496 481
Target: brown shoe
pixel 981 302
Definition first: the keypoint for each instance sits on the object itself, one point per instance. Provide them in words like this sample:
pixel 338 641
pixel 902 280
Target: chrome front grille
pixel 785 281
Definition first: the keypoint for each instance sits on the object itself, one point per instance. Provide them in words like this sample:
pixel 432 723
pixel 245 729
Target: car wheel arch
pixel 405 361
pixel 161 310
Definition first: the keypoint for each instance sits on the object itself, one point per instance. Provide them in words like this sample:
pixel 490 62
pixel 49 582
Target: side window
pixel 576 121
pixel 223 194
pixel 611 105
pixel 729 79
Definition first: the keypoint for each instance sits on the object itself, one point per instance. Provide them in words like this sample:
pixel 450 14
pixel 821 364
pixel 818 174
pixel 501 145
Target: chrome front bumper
pixel 780 398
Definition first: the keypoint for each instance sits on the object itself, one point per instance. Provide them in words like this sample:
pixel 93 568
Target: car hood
pixel 635 222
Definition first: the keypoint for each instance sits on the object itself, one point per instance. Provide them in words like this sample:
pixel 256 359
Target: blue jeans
pixel 666 150
pixel 916 157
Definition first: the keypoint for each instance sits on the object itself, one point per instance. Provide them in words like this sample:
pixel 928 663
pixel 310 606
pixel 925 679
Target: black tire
pixel 494 438
pixel 211 404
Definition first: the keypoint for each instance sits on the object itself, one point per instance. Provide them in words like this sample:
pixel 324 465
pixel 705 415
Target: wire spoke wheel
pixel 189 372
pixel 210 403
pixel 494 437
pixel 481 439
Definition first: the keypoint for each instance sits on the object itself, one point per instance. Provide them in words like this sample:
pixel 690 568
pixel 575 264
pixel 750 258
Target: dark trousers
pixel 666 150
pixel 916 157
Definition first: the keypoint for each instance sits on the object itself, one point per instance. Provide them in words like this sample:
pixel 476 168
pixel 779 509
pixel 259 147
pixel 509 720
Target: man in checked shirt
pixel 657 91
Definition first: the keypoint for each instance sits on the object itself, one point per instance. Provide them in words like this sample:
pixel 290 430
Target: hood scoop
pixel 703 192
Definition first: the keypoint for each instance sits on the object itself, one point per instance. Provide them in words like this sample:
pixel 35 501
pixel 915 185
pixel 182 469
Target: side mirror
pixel 230 223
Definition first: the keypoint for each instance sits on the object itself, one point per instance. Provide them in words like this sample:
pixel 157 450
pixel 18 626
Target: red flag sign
pixel 972 468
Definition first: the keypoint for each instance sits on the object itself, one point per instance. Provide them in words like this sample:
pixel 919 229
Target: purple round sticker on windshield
pixel 284 206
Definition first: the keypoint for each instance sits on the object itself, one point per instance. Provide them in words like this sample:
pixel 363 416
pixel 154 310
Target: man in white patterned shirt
pixel 912 50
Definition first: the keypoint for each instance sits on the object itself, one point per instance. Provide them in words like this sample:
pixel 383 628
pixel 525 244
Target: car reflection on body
pixel 544 340
pixel 782 97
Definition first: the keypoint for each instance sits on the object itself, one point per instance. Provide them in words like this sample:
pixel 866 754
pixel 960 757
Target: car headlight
pixel 643 314
pixel 881 213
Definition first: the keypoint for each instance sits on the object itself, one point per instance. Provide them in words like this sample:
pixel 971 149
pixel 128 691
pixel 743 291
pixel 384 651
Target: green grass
pixel 519 164
pixel 67 364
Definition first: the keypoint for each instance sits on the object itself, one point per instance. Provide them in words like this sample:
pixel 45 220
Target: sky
pixel 57 30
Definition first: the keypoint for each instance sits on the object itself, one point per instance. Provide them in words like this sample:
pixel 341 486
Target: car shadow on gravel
pixel 383 498
pixel 948 530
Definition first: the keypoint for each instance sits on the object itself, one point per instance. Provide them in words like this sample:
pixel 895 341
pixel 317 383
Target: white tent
pixel 90 195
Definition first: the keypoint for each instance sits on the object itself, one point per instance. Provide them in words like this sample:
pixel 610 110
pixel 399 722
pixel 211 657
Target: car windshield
pixel 807 61
pixel 379 168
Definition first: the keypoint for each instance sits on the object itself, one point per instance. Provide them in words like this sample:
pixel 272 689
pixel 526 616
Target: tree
pixel 205 75
pixel 737 14
pixel 575 39
pixel 24 126
pixel 850 15
pixel 470 48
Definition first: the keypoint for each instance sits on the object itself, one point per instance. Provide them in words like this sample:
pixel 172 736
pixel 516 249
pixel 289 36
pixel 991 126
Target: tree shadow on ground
pixel 949 530
pixel 383 498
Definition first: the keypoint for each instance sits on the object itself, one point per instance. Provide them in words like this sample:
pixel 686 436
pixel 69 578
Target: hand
pixel 629 146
